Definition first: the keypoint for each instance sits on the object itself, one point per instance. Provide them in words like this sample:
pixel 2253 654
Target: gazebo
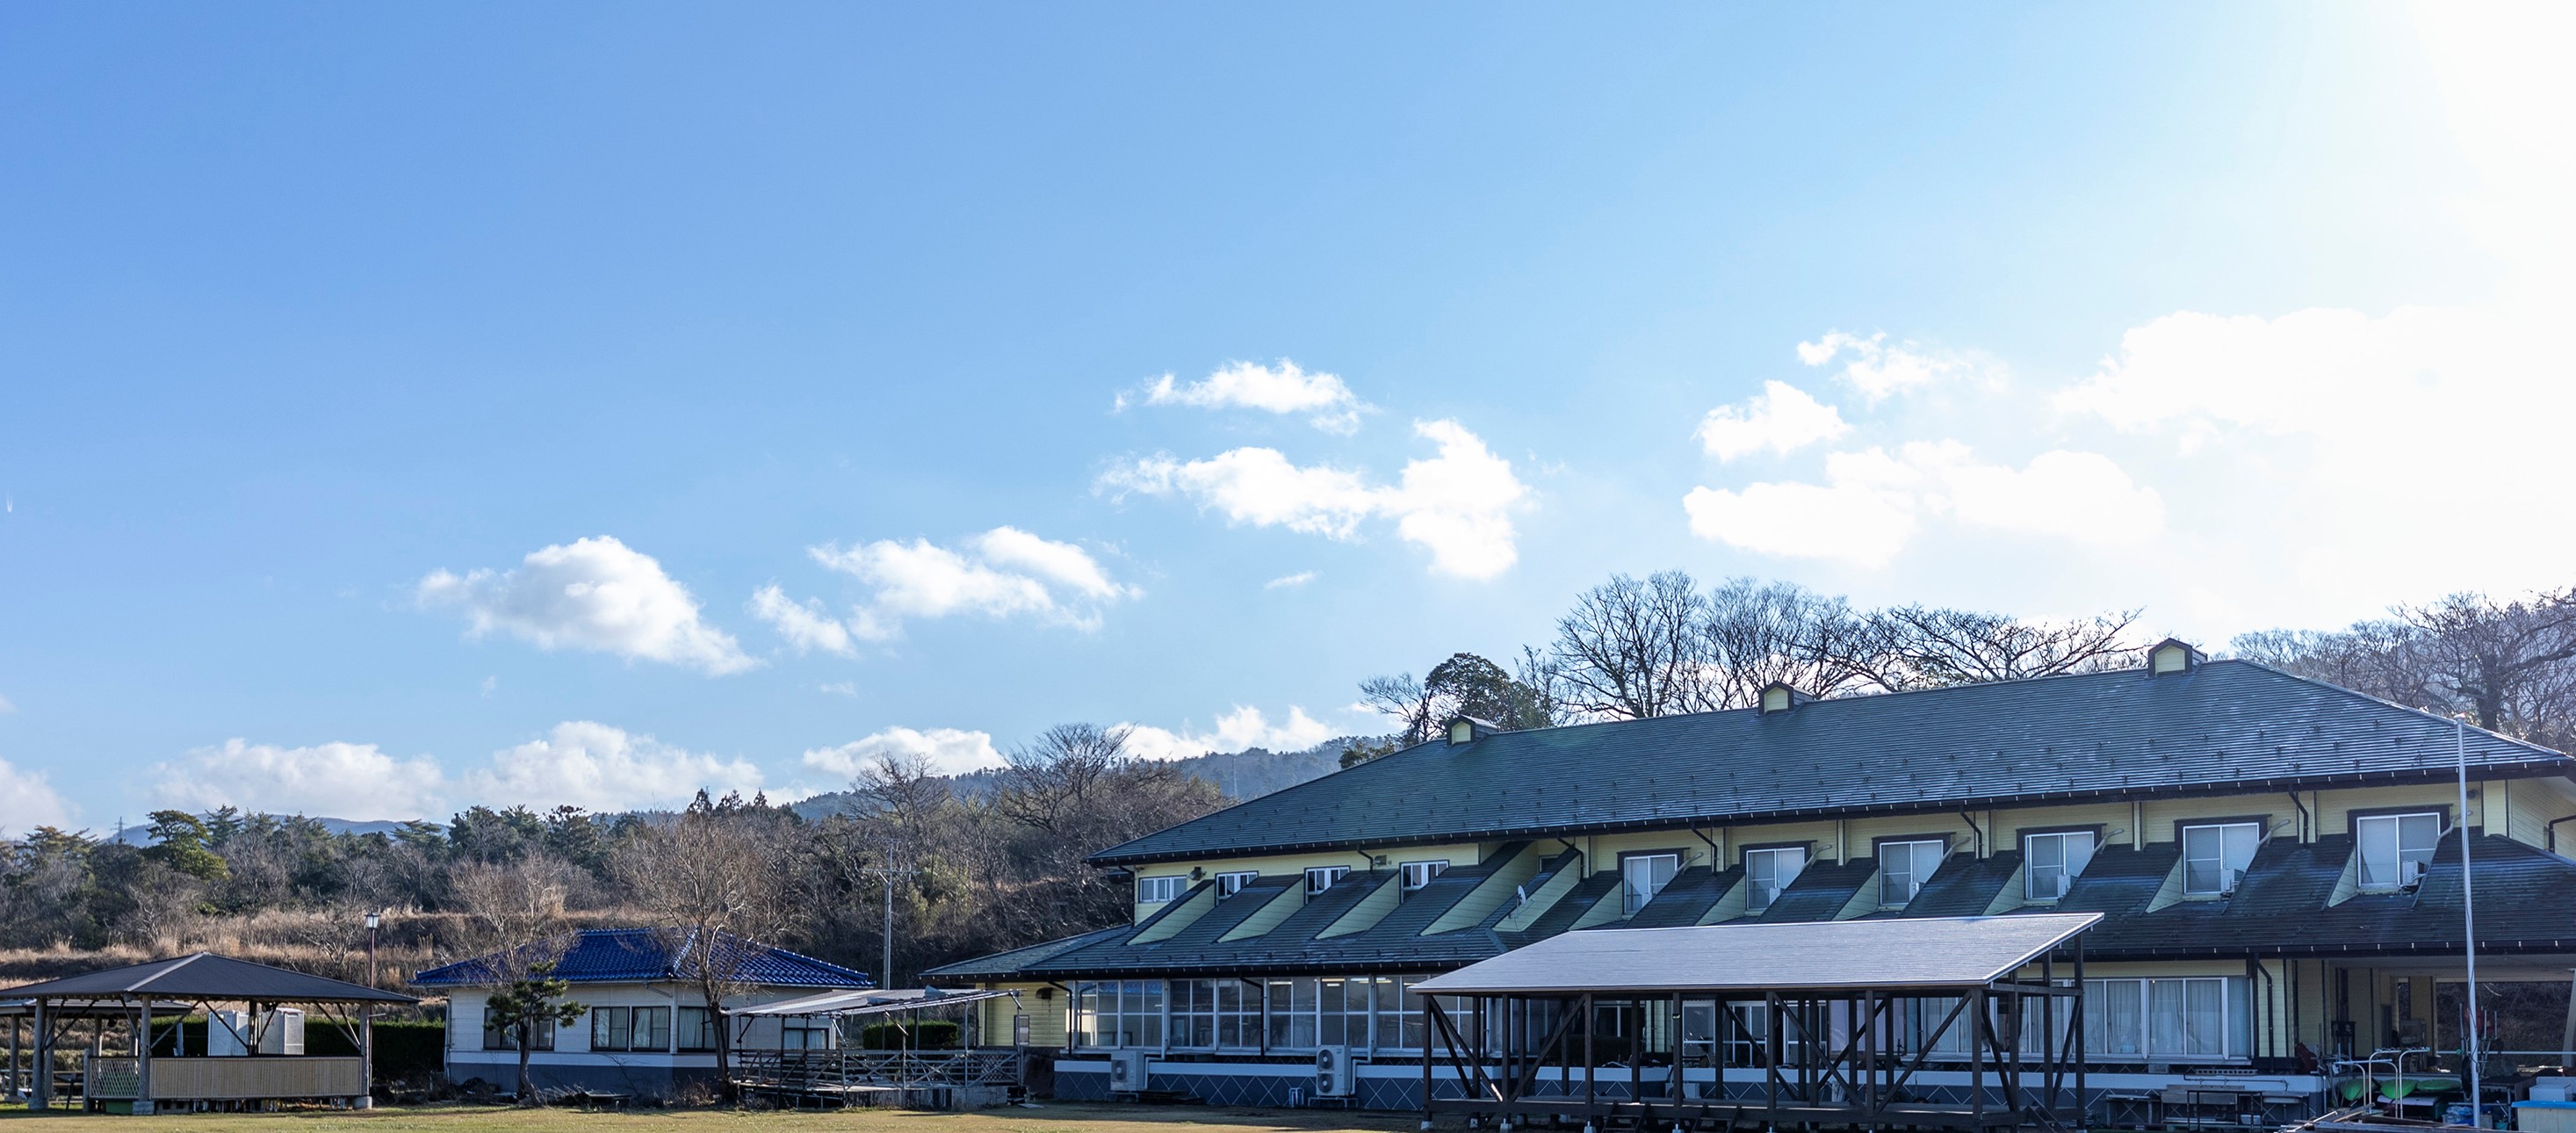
pixel 1956 1022
pixel 254 1055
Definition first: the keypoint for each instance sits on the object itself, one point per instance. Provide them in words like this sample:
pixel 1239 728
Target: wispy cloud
pixel 1281 389
pixel 1287 581
pixel 1457 504
pixel 1003 573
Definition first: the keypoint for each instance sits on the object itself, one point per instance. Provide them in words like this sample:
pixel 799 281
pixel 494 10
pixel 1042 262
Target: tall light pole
pixel 2468 917
pixel 375 918
pixel 885 970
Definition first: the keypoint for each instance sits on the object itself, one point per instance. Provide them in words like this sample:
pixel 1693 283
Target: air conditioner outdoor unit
pixel 1127 1071
pixel 2227 881
pixel 277 1031
pixel 2409 874
pixel 1335 1075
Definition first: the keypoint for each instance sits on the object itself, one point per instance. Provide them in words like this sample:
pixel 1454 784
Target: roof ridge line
pixel 183 962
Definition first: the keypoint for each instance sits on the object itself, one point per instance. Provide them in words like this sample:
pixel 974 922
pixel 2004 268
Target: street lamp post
pixel 375 918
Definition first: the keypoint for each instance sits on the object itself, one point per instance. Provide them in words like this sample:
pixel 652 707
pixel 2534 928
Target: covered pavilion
pixel 142 1003
pixel 1844 1017
pixel 905 1073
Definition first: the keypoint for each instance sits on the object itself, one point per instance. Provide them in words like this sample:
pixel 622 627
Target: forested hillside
pixel 996 859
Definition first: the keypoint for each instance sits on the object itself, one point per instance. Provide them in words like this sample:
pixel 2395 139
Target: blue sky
pixel 410 406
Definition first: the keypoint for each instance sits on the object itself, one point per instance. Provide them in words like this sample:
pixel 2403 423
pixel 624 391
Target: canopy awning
pixel 1894 953
pixel 204 976
pixel 872 1002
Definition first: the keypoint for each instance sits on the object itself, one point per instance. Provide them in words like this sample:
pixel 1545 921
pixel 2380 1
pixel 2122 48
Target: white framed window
pixel 1770 871
pixel 2191 1017
pixel 1641 876
pixel 1216 1014
pixel 1232 882
pixel 1157 890
pixel 1414 875
pixel 1323 877
pixel 1903 867
pixel 2215 855
pixel 2051 862
pixel 1113 1013
pixel 2396 849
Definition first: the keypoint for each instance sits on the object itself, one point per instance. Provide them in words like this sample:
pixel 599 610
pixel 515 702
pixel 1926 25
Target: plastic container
pixel 2544 1117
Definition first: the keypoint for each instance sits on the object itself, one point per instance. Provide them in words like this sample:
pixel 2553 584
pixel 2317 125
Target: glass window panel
pixel 1641 876
pixel 1767 872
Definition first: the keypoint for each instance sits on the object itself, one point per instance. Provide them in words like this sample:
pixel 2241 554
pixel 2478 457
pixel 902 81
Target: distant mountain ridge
pixel 1247 774
pixel 142 835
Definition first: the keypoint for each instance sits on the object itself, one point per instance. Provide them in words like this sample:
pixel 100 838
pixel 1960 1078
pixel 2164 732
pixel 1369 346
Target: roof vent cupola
pixel 1468 729
pixel 2172 655
pixel 1780 696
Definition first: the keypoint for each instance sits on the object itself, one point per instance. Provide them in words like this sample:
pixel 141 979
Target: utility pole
pixel 885 968
pixel 2468 919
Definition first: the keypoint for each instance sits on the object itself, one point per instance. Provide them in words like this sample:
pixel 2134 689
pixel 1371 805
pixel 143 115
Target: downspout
pixel 2550 829
pixel 2303 815
pixel 1973 828
pixel 1716 853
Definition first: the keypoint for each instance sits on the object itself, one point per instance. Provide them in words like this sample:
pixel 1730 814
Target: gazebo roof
pixel 1903 953
pixel 204 976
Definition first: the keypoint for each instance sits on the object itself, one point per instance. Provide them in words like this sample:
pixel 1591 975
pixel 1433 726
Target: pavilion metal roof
pixel 1853 955
pixel 872 1002
pixel 204 976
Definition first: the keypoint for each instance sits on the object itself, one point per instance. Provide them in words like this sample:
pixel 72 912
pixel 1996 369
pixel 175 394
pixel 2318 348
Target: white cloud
pixel 1457 504
pixel 1002 573
pixel 1245 385
pixel 1289 581
pixel 335 780
pixel 1873 503
pixel 27 801
pixel 1241 727
pixel 840 688
pixel 6 706
pixel 594 594
pixel 597 767
pixel 949 751
pixel 1879 370
pixel 1782 418
pixel 805 625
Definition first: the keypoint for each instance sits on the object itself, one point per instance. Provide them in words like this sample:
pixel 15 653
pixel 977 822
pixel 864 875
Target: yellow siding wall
pixel 2533 803
pixel 1046 1017
pixel 2339 804
pixel 1458 854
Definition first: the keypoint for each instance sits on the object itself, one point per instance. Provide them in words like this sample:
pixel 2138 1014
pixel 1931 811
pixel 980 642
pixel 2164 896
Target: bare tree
pixel 1910 647
pixel 1755 633
pixel 1400 698
pixel 2510 665
pixel 1074 792
pixel 1631 649
pixel 713 879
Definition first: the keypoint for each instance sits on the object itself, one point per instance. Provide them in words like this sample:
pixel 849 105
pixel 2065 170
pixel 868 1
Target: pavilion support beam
pixel 42 1064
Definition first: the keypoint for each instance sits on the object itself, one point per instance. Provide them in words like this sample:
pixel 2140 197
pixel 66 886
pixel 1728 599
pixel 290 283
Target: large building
pixel 2277 862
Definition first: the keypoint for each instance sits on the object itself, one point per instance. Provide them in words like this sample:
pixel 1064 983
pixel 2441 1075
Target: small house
pixel 647 1031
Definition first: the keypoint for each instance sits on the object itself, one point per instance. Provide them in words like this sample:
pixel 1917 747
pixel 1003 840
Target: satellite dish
pixel 1523 891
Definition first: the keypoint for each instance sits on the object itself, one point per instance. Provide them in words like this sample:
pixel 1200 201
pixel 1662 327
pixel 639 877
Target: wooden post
pixel 1589 1061
pixel 143 1057
pixel 40 1061
pixel 366 1056
pixel 1977 1059
pixel 2075 1027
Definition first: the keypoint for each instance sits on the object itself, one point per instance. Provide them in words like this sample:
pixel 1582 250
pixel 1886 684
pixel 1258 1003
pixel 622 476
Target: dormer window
pixel 1321 878
pixel 1160 890
pixel 2172 655
pixel 2216 855
pixel 1779 696
pixel 1461 731
pixel 2051 862
pixel 2396 849
pixel 1232 882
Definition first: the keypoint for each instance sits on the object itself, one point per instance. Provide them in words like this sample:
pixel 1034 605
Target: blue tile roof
pixel 644 955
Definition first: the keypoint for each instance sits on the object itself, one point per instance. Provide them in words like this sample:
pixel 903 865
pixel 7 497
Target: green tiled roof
pixel 2222 726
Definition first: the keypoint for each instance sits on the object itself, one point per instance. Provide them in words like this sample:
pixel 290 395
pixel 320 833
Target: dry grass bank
pixel 486 1119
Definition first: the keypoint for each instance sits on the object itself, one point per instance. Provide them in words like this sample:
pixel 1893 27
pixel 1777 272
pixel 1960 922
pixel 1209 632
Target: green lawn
pixel 1068 1118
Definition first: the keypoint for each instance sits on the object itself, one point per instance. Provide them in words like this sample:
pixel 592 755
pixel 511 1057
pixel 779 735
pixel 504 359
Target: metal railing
pixel 841 1071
